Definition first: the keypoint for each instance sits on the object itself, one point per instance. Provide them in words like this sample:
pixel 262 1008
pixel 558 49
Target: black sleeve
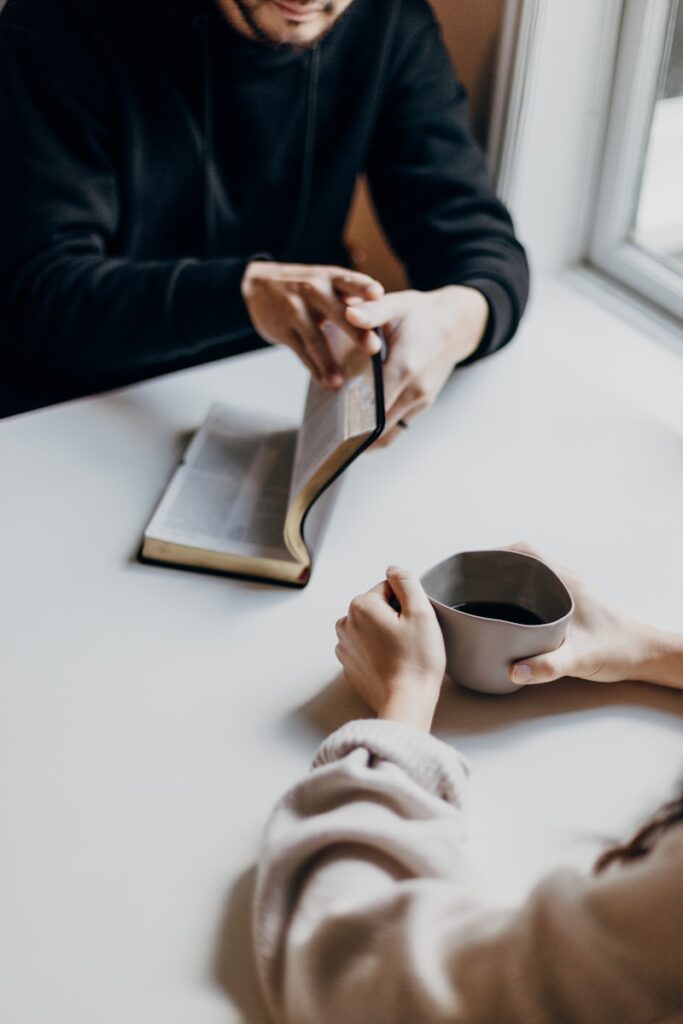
pixel 64 300
pixel 431 186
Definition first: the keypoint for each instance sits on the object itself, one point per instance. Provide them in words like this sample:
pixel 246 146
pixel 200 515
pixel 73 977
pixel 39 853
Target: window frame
pixel 566 74
pixel 644 37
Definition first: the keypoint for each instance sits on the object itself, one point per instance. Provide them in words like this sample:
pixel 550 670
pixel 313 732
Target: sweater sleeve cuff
pixel 436 767
pixel 207 300
pixel 503 316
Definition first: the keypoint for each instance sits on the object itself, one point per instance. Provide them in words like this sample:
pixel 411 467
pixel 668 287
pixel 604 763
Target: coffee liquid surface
pixel 501 610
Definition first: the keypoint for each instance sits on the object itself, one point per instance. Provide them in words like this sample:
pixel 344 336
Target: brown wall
pixel 471 29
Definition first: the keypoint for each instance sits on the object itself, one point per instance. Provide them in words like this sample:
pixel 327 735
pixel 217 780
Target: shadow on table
pixel 466 712
pixel 233 968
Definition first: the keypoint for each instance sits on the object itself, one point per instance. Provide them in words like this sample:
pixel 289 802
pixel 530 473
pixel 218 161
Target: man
pixel 176 176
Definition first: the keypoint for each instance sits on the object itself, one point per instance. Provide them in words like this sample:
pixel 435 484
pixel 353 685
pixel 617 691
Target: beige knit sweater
pixel 367 911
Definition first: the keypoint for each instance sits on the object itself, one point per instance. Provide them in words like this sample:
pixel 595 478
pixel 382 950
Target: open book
pixel 250 497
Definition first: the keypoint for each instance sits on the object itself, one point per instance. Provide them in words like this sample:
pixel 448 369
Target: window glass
pixel 658 227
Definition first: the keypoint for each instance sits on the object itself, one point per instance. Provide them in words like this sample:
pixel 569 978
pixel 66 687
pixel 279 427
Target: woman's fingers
pixel 381 590
pixel 408 590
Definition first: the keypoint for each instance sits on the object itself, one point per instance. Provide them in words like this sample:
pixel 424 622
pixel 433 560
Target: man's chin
pixel 298 39
pixel 281 25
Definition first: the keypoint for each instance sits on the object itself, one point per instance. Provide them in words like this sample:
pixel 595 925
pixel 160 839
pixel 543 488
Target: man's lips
pixel 297 12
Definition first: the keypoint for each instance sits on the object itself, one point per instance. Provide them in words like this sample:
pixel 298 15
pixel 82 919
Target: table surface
pixel 151 717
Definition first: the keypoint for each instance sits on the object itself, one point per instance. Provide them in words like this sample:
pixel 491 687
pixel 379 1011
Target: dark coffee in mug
pixel 501 610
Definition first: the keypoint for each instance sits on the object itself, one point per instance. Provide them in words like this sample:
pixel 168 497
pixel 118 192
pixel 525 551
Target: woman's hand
pixel 395 659
pixel 603 644
pixel 289 304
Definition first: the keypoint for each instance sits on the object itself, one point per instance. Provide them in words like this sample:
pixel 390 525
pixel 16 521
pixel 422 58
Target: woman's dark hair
pixel 646 837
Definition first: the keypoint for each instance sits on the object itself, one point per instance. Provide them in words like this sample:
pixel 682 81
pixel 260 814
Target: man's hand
pixel 290 303
pixel 427 334
pixel 395 659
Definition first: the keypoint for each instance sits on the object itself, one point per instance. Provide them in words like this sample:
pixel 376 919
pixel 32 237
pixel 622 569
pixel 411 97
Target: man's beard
pixel 248 14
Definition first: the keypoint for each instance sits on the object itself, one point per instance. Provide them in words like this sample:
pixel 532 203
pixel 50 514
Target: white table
pixel 150 717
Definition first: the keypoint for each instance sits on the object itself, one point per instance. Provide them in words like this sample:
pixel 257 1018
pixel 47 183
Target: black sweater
pixel 148 151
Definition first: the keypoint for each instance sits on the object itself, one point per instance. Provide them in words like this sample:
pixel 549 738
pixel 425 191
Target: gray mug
pixel 479 651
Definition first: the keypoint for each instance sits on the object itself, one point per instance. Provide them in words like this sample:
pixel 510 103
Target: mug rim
pixel 506 622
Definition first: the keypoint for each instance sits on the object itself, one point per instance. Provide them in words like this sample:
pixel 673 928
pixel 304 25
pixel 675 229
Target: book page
pixel 332 417
pixel 230 494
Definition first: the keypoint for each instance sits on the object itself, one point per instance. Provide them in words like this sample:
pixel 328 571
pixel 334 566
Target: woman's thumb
pixel 544 668
pixel 407 588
